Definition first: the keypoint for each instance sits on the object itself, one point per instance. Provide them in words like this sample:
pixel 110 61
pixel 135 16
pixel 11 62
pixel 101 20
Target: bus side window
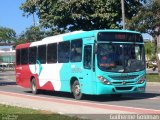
pixel 18 57
pixel 24 56
pixel 42 54
pixel 63 52
pixel 76 51
pixel 87 57
pixel 52 53
pixel 32 55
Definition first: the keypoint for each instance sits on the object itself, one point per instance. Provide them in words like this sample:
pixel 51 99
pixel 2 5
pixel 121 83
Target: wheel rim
pixel 77 90
pixel 33 86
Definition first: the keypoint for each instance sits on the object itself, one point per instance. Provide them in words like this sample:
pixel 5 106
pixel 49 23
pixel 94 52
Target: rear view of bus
pixel 120 60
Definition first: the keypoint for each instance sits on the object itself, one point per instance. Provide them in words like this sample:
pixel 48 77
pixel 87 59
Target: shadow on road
pixel 100 98
pixel 105 98
pixel 55 93
pixel 7 83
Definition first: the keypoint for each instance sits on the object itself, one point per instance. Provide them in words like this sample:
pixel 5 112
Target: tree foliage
pixel 29 7
pixel 80 14
pixel 148 19
pixel 7 35
pixel 149 48
pixel 31 34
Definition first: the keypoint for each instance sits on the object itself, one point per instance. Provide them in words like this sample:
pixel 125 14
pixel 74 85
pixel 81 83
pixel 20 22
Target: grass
pixel 153 78
pixel 16 113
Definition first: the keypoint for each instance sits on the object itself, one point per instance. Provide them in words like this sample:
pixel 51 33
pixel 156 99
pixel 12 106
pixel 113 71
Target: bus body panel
pixel 22 71
pixel 47 73
pixel 23 76
pixel 65 77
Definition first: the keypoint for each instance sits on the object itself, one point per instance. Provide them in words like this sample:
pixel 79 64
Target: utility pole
pixel 33 14
pixel 123 13
pixel 34 21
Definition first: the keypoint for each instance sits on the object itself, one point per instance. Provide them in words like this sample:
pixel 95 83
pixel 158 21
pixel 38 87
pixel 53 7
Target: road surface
pixel 148 102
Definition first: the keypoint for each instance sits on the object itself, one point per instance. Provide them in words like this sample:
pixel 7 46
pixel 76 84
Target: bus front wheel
pixel 76 90
pixel 34 86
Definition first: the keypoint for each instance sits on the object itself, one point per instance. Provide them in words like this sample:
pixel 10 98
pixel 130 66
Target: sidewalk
pixel 67 107
pixel 153 84
pixel 150 71
pixel 53 104
pixel 87 110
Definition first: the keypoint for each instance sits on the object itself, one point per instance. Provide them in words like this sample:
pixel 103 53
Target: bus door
pixel 88 69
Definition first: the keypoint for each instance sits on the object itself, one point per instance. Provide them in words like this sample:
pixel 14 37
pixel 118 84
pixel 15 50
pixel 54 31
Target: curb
pixel 153 83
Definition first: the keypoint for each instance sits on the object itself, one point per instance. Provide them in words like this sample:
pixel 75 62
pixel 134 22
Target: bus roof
pixel 80 34
pixel 71 35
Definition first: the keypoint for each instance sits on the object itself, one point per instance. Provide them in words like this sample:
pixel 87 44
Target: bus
pixel 96 62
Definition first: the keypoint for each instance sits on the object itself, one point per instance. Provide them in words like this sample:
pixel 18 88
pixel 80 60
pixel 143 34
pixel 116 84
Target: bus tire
pixel 76 90
pixel 34 86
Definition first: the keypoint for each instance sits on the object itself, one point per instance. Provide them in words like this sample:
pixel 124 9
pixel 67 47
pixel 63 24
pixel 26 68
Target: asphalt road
pixel 148 100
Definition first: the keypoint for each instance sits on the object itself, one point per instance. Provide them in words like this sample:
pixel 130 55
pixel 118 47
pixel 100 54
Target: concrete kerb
pixel 153 83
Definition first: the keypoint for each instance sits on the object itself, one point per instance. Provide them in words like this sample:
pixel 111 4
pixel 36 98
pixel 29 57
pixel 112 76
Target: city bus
pixel 97 62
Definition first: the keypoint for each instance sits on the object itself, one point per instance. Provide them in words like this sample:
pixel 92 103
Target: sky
pixel 12 17
pixel 147 37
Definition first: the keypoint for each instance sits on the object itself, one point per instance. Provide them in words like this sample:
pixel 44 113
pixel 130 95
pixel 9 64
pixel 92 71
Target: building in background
pixel 7 57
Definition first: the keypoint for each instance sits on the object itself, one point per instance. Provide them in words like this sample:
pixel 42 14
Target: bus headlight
pixel 141 80
pixel 104 80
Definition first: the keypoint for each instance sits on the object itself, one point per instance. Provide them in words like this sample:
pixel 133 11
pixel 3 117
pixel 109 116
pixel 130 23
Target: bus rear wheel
pixel 34 86
pixel 76 90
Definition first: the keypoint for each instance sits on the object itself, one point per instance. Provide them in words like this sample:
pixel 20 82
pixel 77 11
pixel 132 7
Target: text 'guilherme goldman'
pixel 134 117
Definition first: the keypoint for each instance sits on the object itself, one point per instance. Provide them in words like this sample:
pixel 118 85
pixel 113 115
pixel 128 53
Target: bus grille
pixel 121 82
pixel 123 77
pixel 123 88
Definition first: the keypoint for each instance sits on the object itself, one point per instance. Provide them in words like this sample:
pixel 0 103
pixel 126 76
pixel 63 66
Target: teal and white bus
pixel 94 62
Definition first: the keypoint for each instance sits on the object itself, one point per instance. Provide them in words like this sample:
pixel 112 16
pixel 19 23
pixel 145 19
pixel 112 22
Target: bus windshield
pixel 120 57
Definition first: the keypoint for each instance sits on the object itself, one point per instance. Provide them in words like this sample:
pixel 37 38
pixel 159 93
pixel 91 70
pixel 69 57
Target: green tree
pixel 7 35
pixel 31 34
pixel 147 20
pixel 149 48
pixel 80 14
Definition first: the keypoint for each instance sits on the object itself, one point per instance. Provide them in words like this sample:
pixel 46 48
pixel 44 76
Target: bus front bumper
pixel 112 89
